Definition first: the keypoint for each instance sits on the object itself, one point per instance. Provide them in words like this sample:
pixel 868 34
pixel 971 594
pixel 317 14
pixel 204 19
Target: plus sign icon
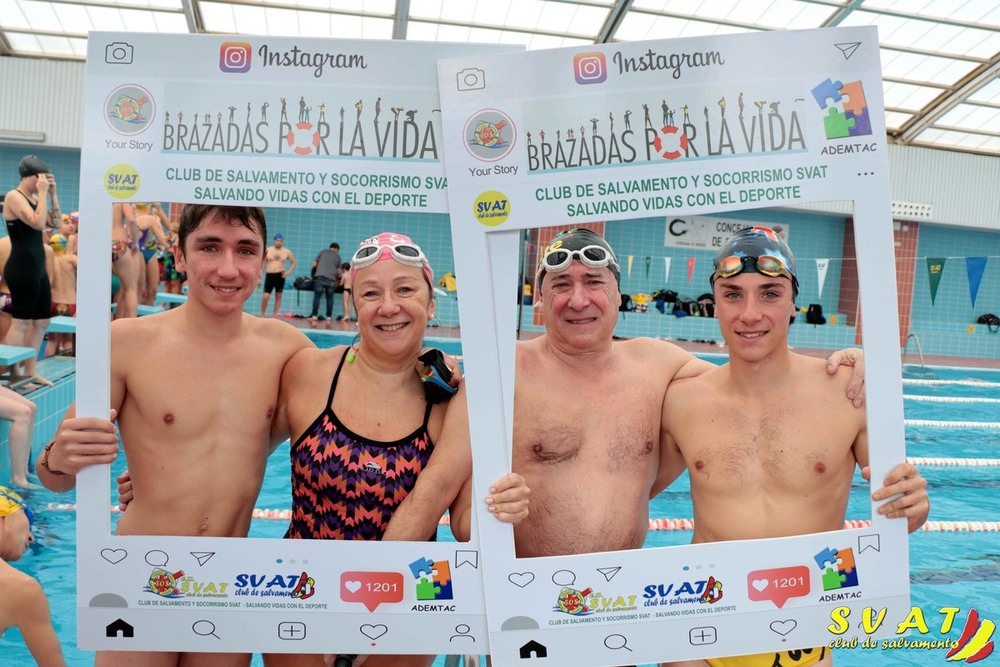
pixel 291 631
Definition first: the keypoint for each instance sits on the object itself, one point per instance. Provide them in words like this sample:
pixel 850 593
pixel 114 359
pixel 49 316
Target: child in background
pixel 345 288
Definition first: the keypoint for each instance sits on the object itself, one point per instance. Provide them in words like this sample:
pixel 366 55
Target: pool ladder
pixel 919 350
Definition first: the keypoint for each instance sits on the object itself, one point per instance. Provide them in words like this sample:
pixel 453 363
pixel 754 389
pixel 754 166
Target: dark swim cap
pixel 577 239
pixel 32 165
pixel 753 243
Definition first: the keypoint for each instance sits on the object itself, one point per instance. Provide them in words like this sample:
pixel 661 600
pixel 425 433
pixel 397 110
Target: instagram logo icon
pixel 590 67
pixel 235 57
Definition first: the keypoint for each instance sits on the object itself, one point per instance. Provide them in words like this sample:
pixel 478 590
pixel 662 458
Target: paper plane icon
pixel 202 556
pixel 848 48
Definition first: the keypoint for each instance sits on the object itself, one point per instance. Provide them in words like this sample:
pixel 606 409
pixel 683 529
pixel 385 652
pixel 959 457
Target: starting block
pixel 62 324
pixel 142 309
pixel 10 356
pixel 167 297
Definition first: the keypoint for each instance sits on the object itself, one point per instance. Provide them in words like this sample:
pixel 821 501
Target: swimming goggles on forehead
pixel 15 499
pixel 768 265
pixel 594 256
pixel 409 254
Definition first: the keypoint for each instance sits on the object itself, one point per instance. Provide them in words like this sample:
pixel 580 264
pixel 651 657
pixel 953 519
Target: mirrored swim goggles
pixel 767 265
pixel 11 502
pixel 593 256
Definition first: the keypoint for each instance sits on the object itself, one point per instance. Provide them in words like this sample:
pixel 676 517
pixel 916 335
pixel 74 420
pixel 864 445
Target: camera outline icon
pixel 112 57
pixel 235 57
pixel 471 78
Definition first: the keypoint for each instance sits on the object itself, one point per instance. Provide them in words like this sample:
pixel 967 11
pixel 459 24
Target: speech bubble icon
pixel 371 588
pixel 778 584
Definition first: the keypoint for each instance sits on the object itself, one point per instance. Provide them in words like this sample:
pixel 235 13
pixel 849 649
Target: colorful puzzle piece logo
pixel 433 579
pixel 838 568
pixel 846 109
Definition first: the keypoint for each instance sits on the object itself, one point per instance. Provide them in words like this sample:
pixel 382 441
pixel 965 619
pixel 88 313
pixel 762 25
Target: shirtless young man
pixel 591 471
pixel 212 412
pixel 758 468
pixel 274 277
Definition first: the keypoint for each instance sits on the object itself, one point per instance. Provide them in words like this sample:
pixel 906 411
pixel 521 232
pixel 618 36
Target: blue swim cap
pixel 758 249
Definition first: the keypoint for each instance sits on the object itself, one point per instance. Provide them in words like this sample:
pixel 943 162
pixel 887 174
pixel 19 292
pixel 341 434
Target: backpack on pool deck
pixel 814 314
pixel 991 321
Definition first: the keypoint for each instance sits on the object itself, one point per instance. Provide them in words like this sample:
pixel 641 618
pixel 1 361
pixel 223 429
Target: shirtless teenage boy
pixel 212 412
pixel 770 442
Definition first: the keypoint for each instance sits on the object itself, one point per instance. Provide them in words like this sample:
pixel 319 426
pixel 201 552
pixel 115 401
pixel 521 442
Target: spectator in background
pixel 149 221
pixel 68 228
pixel 23 604
pixel 327 270
pixel 173 280
pixel 63 289
pixel 346 281
pixel 20 412
pixel 4 289
pixel 124 259
pixel 277 257
pixel 26 214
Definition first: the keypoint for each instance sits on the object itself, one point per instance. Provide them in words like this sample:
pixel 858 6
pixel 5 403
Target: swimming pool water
pixel 948 569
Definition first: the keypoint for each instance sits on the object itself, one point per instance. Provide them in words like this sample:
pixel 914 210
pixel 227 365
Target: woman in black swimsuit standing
pixel 25 213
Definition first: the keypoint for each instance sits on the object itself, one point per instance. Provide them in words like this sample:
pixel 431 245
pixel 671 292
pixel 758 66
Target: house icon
pixel 120 628
pixel 533 650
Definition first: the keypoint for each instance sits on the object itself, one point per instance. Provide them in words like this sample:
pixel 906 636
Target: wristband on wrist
pixel 44 460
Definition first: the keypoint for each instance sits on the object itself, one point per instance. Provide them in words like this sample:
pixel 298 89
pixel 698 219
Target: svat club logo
pixel 973 645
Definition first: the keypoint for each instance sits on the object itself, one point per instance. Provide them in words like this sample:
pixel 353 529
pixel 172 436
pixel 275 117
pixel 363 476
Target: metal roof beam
pixel 400 23
pixel 838 16
pixel 192 14
pixel 948 101
pixel 613 22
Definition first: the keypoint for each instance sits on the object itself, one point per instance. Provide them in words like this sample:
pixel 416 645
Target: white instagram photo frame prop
pixel 139 147
pixel 493 201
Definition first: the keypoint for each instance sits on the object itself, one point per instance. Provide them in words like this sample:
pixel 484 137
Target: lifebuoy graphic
pixel 307 149
pixel 682 142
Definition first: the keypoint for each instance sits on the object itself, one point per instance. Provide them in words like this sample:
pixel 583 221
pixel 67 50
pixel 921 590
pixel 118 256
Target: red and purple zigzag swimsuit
pixel 345 486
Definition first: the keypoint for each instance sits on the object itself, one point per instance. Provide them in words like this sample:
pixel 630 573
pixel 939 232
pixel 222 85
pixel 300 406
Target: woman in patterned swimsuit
pixel 359 448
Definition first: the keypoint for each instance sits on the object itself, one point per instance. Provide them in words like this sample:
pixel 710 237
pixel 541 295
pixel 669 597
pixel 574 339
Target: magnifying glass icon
pixel 205 628
pixel 615 642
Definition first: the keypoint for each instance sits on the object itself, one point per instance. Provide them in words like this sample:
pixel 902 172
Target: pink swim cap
pixel 390 245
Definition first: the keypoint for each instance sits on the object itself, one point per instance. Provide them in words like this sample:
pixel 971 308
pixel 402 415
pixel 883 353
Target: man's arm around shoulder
pixel 681 363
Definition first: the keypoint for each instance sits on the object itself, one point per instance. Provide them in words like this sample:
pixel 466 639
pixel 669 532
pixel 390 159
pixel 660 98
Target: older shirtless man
pixel 588 409
pixel 212 412
pixel 779 458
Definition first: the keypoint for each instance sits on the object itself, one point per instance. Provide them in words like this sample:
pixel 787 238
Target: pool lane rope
pixel 940 383
pixel 657 524
pixel 948 399
pixel 952 462
pixel 932 423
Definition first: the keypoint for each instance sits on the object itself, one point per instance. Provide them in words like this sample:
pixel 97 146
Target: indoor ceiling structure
pixel 940 58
